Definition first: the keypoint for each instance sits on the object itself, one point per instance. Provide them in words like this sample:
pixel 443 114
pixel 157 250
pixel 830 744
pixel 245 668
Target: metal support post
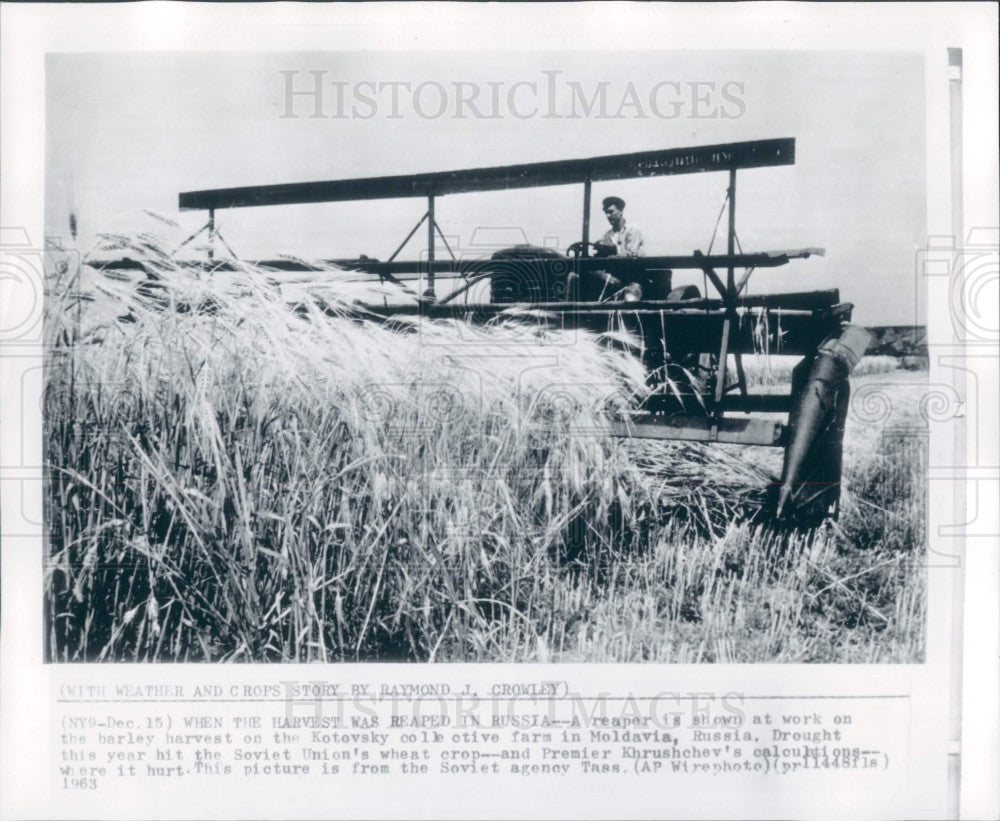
pixel 430 247
pixel 720 380
pixel 403 243
pixel 732 289
pixel 444 239
pixel 731 244
pixel 211 234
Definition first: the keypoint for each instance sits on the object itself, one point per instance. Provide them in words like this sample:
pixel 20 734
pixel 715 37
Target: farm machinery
pixel 693 343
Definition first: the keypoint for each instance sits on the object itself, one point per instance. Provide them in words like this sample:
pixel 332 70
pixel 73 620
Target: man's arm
pixel 634 244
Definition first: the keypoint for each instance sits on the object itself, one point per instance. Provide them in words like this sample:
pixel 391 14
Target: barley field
pixel 241 468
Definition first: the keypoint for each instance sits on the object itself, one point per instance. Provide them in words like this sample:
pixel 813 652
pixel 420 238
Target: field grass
pixel 236 475
pixel 775 372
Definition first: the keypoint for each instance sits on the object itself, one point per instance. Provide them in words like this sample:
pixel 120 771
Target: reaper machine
pixel 694 344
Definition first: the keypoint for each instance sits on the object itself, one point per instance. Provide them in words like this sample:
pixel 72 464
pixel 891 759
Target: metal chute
pixel 810 479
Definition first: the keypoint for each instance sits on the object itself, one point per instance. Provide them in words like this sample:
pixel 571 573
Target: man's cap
pixel 613 201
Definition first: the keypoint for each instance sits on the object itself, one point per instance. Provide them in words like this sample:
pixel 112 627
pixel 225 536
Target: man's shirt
pixel 628 241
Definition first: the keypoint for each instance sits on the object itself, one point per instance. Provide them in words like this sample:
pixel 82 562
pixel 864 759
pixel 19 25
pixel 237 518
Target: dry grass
pixel 776 371
pixel 236 475
pixel 742 592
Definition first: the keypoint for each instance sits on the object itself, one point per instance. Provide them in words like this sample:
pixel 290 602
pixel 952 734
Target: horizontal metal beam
pixel 758 403
pixel 680 332
pixel 613 265
pixel 697 429
pixel 806 301
pixel 752 403
pixel 722 157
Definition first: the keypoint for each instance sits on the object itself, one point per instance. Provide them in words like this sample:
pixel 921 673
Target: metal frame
pixel 712 324
pixel 723 157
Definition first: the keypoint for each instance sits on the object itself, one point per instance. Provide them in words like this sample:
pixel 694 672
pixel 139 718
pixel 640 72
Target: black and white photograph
pixel 499 410
pixel 492 357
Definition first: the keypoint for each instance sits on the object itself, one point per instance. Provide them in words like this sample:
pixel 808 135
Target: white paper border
pixel 31 30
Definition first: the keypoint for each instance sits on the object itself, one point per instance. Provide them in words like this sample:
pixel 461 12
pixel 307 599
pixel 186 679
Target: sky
pixel 127 132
